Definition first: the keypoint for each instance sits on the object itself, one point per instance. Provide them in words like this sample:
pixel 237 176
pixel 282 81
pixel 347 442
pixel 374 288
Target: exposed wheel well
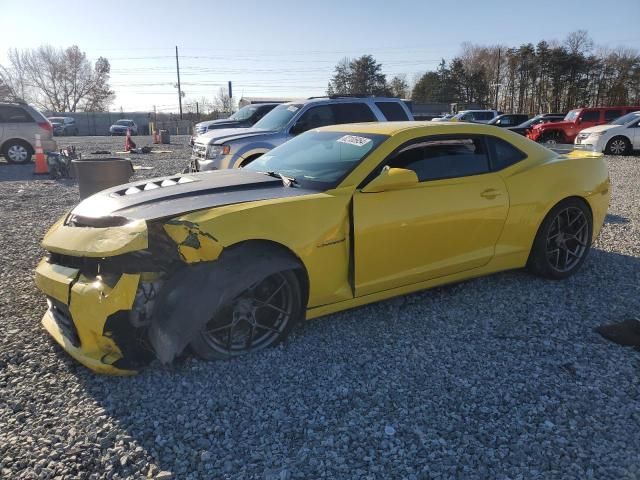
pixel 301 273
pixel 250 159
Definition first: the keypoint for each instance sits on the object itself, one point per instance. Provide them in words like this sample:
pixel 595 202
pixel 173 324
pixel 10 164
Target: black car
pixel 509 120
pixel 243 118
pixel 542 118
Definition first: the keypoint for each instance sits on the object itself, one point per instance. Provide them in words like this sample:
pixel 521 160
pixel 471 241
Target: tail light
pixel 46 126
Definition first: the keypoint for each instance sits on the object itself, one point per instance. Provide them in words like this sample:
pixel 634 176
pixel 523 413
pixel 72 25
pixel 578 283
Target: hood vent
pixel 167 182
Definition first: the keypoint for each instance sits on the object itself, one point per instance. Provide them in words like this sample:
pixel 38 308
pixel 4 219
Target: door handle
pixel 490 193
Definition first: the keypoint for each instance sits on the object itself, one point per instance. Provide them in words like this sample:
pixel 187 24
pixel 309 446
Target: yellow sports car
pixel 228 261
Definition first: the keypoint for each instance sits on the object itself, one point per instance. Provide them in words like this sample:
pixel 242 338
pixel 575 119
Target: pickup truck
pixel 574 122
pixel 235 148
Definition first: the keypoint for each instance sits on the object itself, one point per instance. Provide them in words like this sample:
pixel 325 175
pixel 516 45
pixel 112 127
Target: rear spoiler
pixel 569 150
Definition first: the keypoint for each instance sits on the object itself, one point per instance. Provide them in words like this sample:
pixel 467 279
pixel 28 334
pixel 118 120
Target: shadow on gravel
pixel 19 173
pixel 466 366
pixel 615 219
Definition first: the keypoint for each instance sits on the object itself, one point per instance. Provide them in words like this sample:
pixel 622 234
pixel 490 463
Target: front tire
pixel 563 240
pixel 618 146
pixel 18 152
pixel 551 139
pixel 260 317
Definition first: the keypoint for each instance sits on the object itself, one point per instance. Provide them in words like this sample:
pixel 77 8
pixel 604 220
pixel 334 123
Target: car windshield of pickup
pixel 572 115
pixel 318 160
pixel 244 113
pixel 278 118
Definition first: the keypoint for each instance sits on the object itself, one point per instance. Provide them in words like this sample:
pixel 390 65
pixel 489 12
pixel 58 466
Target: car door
pixel 2 121
pixel 634 135
pixel 447 223
pixel 313 117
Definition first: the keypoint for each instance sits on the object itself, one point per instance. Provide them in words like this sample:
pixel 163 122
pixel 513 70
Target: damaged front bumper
pixel 102 283
pixel 89 318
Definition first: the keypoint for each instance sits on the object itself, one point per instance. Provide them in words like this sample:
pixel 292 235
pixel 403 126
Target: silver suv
pixel 19 124
pixel 237 147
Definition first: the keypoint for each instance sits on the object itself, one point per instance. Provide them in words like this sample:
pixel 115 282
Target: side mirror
pixel 578 121
pixel 391 179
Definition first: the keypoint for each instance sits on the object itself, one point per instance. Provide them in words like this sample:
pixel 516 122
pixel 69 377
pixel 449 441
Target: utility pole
pixel 179 89
pixel 497 79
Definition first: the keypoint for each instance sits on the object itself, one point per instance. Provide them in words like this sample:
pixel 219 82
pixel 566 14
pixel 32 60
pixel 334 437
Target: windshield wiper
pixel 288 181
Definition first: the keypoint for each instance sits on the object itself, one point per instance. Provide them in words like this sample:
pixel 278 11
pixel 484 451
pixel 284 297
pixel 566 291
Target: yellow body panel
pixel 96 242
pixel 356 246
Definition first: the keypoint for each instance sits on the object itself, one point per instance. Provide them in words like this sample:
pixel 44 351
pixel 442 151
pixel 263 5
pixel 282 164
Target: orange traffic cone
pixel 128 143
pixel 41 162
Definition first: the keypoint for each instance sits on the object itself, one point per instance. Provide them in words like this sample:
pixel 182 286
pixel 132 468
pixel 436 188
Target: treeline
pixel 547 77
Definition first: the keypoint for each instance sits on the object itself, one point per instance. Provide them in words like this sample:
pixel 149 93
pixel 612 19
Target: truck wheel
pixel 17 151
pixel 551 139
pixel 618 146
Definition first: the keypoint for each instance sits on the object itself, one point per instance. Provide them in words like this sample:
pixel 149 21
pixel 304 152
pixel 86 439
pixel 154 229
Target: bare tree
pixel 399 86
pixel 60 80
pixel 223 101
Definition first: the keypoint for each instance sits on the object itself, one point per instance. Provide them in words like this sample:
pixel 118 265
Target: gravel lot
pixel 500 377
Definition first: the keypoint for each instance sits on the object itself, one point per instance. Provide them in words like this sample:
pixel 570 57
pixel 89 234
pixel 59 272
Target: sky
pixel 289 48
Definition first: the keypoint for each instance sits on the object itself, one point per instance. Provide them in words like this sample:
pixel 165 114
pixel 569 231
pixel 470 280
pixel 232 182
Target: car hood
pixel 230 134
pixel 120 127
pixel 600 128
pixel 222 123
pixel 543 126
pixel 168 197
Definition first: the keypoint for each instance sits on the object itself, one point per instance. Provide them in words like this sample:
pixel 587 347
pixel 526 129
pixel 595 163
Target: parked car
pixel 64 125
pixel 243 118
pixel 508 120
pixel 19 124
pixel 574 122
pixel 477 116
pixel 442 118
pixel 524 127
pixel 234 148
pixel 229 261
pixel 618 137
pixel 121 127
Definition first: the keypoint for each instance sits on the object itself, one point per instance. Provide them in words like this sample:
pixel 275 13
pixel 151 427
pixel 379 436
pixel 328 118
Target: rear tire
pixel 563 240
pixel 260 317
pixel 17 152
pixel 618 146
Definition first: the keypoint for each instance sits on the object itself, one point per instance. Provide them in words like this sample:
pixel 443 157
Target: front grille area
pixel 200 150
pixel 62 317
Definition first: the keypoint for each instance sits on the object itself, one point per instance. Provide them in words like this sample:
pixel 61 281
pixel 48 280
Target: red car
pixel 575 121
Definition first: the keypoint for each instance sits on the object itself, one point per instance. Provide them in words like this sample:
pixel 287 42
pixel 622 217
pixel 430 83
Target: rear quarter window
pixel 10 114
pixel 612 115
pixel 503 154
pixel 392 111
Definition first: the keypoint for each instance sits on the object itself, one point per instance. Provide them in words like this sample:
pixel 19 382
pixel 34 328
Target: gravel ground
pixel 500 377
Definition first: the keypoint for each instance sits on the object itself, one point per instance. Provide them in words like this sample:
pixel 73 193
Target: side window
pixel 591 116
pixel 484 116
pixel 315 117
pixel 503 154
pixel 446 158
pixel 9 114
pixel 392 111
pixel 612 115
pixel 352 113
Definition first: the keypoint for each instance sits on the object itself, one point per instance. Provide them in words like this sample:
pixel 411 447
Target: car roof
pixel 392 128
pixel 344 99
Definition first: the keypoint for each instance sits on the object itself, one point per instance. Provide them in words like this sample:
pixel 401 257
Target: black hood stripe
pixel 184 194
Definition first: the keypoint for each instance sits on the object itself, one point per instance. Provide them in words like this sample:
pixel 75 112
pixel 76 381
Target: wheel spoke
pixel 264 327
pixel 272 306
pixel 273 293
pixel 218 329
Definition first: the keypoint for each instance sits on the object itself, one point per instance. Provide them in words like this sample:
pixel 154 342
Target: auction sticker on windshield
pixel 354 140
pixel 292 108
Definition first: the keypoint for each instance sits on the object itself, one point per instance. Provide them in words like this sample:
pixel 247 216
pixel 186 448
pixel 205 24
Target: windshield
pixel 244 113
pixel 623 120
pixel 572 115
pixel 278 118
pixel 126 123
pixel 318 160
